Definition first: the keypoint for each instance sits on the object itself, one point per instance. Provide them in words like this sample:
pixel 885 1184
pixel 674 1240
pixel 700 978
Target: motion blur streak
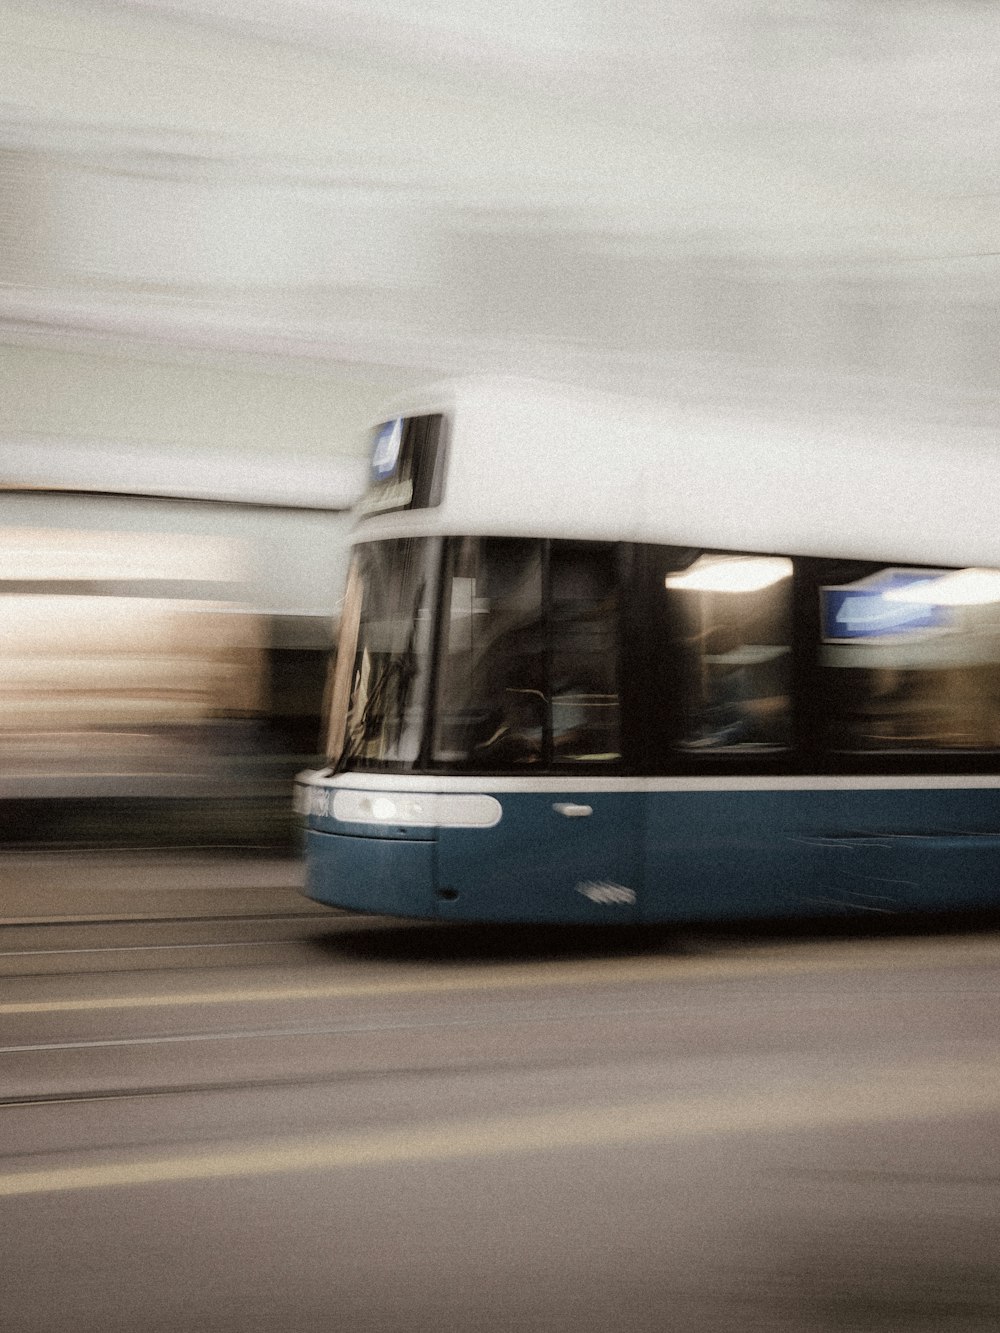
pixel 900 1093
pixel 148 678
pixel 852 956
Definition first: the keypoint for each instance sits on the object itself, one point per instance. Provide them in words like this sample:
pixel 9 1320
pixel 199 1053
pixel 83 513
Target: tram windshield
pixel 527 649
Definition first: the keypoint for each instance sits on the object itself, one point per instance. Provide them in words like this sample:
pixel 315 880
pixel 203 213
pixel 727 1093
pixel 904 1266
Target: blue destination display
pixel 863 611
pixel 385 454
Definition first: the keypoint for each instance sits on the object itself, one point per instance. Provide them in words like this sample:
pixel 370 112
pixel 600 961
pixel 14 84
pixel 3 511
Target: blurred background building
pixel 230 228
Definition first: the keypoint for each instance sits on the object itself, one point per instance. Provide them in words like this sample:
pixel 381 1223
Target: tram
pixel 604 660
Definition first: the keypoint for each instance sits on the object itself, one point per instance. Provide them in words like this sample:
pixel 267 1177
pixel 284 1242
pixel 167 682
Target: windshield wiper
pixel 399 672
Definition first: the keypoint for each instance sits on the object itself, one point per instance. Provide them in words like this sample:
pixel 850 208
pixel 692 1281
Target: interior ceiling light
pixel 724 573
pixel 963 587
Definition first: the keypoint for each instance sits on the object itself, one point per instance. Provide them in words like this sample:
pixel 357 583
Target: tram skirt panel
pixel 384 876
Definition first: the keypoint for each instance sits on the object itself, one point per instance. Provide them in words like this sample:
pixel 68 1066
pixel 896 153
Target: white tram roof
pixel 527 458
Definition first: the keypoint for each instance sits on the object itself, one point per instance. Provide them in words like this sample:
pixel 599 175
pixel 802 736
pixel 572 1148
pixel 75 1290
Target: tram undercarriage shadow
pixel 383 939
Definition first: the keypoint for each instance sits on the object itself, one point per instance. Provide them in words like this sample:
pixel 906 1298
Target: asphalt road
pixel 224 1109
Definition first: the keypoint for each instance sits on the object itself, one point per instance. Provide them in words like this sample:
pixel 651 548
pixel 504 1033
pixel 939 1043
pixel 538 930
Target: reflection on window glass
pixel 911 659
pixel 491 700
pixel 584 620
pixel 386 709
pixel 734 616
pixel 523 682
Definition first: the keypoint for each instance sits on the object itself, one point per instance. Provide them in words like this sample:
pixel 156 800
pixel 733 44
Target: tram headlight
pixel 355 807
pixel 415 809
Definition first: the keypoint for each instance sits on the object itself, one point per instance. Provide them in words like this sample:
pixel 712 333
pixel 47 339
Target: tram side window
pixel 491 702
pixel 584 670
pixel 910 658
pixel 732 619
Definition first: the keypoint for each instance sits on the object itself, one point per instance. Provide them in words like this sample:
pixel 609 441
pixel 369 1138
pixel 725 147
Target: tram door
pixel 553 856
pixel 529 687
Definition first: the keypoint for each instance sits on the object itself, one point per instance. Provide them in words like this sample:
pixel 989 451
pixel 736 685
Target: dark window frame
pixel 548 765
pixel 663 678
pixel 648 674
pixel 816 573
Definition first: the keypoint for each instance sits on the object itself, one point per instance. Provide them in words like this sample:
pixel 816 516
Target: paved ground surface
pixel 224 1109
pixel 88 886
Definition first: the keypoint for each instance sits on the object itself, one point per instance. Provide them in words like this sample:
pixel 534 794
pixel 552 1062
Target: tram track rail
pixel 52 949
pixel 55 973
pixel 39 922
pixel 48 1066
pixel 392 1024
pixel 328 1078
pixel 354 1074
pixel 70 1098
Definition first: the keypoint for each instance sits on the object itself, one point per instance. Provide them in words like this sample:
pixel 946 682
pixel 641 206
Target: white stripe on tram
pixel 434 784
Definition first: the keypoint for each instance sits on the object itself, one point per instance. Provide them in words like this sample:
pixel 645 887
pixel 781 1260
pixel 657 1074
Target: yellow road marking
pixel 770 962
pixel 895 1094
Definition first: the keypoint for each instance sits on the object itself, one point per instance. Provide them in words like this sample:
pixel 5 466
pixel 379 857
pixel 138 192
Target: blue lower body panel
pixel 387 876
pixel 695 854
pixel 808 853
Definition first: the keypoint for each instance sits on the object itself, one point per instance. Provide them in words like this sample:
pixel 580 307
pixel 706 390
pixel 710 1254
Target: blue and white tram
pixel 605 661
